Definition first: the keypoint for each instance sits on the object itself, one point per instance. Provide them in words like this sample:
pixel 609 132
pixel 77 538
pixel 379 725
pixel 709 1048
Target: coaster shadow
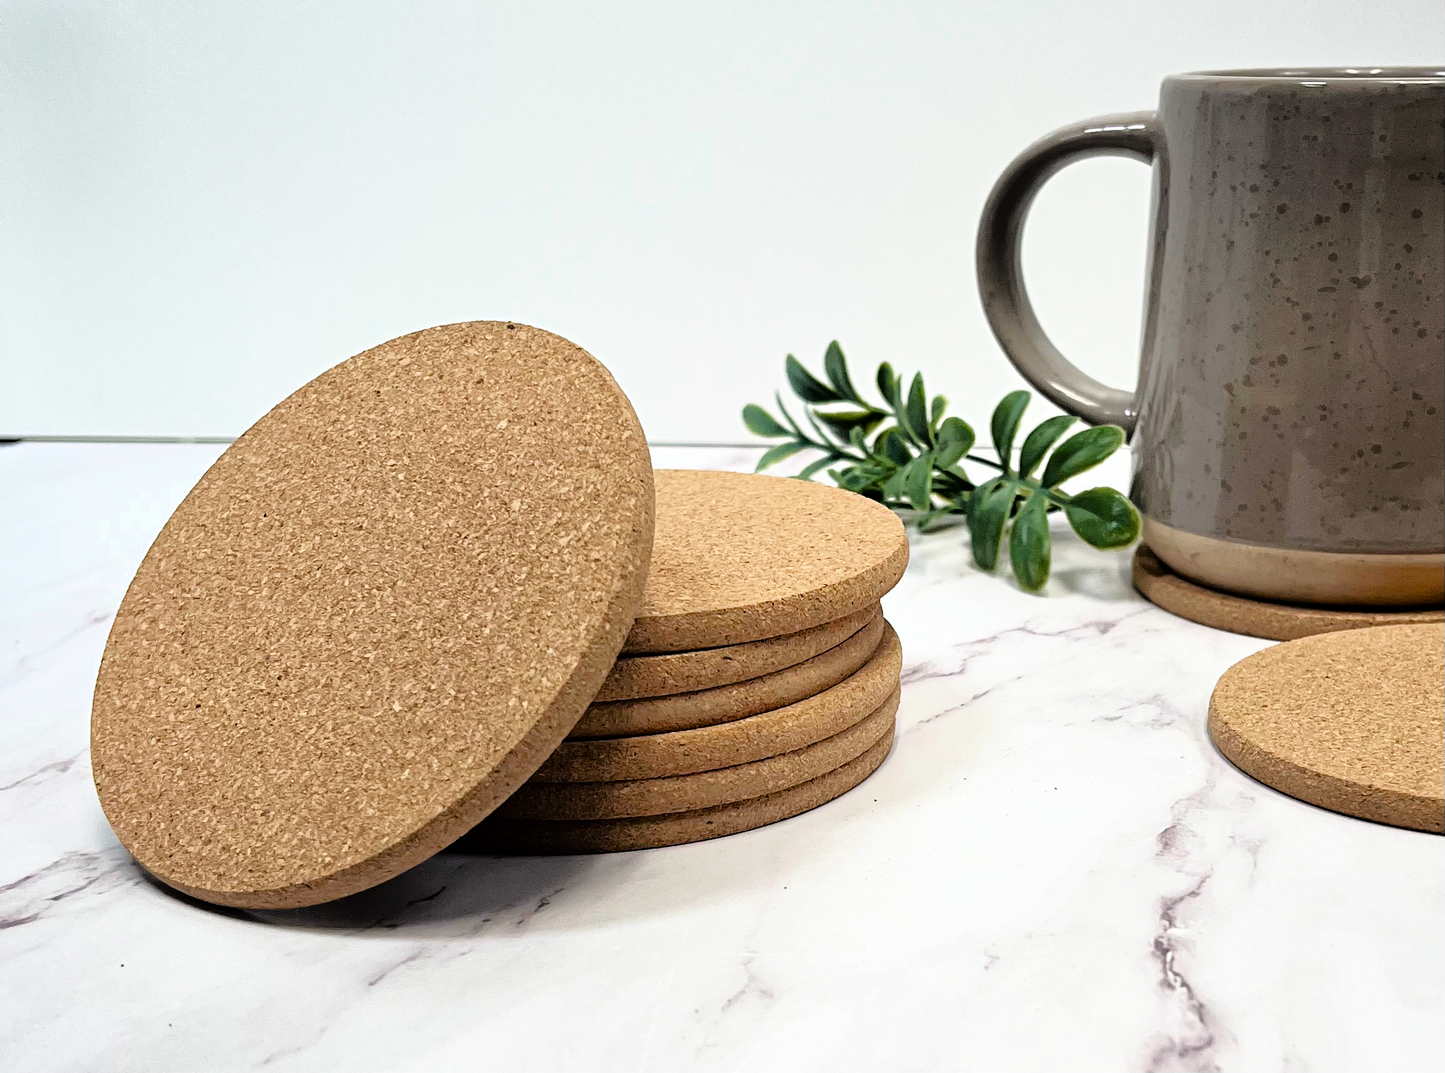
pixel 457 892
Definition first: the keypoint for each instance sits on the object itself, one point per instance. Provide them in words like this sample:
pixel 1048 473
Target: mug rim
pixel 1320 76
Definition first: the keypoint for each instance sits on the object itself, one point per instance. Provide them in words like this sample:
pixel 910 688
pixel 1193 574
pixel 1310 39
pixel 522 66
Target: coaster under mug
pixel 1257 618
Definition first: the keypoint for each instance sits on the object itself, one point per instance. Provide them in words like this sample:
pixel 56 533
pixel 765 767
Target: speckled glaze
pixel 1292 389
pixel 1293 384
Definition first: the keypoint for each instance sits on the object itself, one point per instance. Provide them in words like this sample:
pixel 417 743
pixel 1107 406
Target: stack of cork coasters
pixel 422 592
pixel 759 679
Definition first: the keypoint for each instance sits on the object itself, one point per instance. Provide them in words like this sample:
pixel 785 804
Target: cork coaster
pixel 543 837
pixel 682 752
pixel 633 677
pixel 1353 722
pixel 374 616
pixel 708 707
pixel 706 789
pixel 1257 618
pixel 740 557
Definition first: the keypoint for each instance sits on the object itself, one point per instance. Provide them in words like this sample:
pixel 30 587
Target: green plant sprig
pixel 909 456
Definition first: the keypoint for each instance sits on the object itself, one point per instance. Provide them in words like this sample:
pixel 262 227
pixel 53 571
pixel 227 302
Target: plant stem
pixel 985 462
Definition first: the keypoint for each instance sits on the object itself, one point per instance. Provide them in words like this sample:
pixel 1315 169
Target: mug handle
pixel 1000 267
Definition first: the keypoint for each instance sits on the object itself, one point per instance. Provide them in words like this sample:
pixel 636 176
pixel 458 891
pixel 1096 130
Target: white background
pixel 202 205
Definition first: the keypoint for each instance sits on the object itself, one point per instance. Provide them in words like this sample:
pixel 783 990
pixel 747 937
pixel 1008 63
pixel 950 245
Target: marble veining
pixel 1053 871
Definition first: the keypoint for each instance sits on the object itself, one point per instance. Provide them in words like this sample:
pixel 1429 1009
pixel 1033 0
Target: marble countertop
pixel 1054 870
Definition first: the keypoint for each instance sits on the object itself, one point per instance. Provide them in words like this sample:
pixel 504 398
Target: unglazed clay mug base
pixel 1328 578
pixel 1289 424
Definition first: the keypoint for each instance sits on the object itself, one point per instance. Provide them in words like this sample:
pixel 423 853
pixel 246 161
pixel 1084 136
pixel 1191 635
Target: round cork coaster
pixel 633 677
pixel 741 557
pixel 1353 722
pixel 374 616
pixel 545 837
pixel 683 752
pixel 708 707
pixel 1257 618
pixel 706 789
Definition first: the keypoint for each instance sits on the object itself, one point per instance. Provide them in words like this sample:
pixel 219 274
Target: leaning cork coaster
pixel 682 752
pixel 708 707
pixel 740 557
pixel 706 789
pixel 1257 618
pixel 374 616
pixel 1352 721
pixel 633 677
pixel 544 837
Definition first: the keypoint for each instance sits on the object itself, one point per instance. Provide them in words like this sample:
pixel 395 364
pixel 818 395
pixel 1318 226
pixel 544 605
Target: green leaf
pixel 836 368
pixel 1029 548
pixel 812 415
pixel 916 414
pixel 762 423
pixel 778 453
pixel 925 521
pixel 1081 451
pixel 855 478
pixel 782 409
pixel 844 423
pixel 1103 517
pixel 813 467
pixel 807 386
pixel 988 510
pixel 918 481
pixel 888 386
pixel 895 487
pixel 860 478
pixel 1005 424
pixel 1040 440
pixel 936 414
pixel 949 485
pixel 955 439
pixel 892 446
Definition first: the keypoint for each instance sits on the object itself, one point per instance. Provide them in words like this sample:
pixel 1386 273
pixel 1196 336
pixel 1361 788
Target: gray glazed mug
pixel 1289 423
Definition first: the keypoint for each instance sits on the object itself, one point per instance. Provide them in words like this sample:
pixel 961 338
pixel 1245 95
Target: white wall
pixel 202 205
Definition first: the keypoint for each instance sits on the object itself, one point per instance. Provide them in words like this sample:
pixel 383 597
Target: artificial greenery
pixel 907 455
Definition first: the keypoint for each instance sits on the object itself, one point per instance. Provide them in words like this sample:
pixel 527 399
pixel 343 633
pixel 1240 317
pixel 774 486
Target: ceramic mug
pixel 1288 427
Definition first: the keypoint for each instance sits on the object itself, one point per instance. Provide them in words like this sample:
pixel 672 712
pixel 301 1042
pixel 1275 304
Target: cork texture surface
pixel 374 616
pixel 708 707
pixel 706 789
pixel 1351 721
pixel 544 837
pixel 633 677
pixel 1256 618
pixel 683 752
pixel 741 557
